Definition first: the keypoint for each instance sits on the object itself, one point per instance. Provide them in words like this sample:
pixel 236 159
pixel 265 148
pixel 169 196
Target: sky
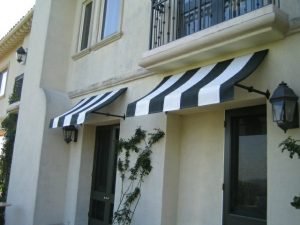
pixel 11 11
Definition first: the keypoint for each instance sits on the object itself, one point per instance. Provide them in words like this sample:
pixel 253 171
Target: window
pixel 233 9
pixel 16 95
pixel 86 24
pixel 3 77
pixel 99 25
pixel 194 16
pixel 245 189
pixel 111 18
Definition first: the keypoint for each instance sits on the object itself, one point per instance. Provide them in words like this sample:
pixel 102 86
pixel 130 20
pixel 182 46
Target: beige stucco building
pixel 219 162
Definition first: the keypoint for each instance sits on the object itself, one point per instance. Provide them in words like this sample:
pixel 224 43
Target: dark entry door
pixel 245 193
pixel 104 176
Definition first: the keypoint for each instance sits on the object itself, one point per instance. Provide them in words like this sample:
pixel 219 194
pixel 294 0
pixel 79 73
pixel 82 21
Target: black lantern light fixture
pixel 21 55
pixel 285 107
pixel 70 134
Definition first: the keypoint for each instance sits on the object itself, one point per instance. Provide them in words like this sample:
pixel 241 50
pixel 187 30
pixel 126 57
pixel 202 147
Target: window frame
pixel 95 40
pixel 105 17
pixel 4 74
pixel 18 86
pixel 228 157
pixel 82 23
pixel 102 18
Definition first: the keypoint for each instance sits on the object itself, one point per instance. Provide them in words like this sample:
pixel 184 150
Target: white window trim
pixel 101 20
pixel 3 83
pixel 94 41
pixel 82 15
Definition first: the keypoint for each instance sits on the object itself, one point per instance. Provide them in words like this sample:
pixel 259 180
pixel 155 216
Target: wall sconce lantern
pixel 21 55
pixel 70 134
pixel 285 107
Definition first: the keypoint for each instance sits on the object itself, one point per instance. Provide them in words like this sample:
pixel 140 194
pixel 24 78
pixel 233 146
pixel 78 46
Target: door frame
pixel 259 110
pixel 112 159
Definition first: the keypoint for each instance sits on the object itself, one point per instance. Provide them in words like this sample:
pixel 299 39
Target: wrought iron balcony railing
pixel 173 19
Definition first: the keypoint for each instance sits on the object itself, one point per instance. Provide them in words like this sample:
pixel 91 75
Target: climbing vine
pixel 132 174
pixel 9 125
pixel 293 148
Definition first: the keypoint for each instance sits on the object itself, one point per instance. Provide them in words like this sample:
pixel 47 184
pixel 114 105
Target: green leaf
pixel 133 173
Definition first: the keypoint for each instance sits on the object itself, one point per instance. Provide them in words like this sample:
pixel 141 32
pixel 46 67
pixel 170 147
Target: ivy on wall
pixel 293 148
pixel 9 125
pixel 134 165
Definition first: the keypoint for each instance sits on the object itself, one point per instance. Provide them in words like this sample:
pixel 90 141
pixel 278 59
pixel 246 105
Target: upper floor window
pixel 86 24
pixel 111 18
pixel 3 77
pixel 194 16
pixel 16 95
pixel 100 20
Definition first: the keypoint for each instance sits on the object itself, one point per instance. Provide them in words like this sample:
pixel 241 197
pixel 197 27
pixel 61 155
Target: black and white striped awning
pixel 77 115
pixel 198 87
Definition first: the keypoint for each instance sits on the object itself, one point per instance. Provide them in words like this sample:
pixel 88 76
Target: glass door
pixel 245 189
pixel 104 176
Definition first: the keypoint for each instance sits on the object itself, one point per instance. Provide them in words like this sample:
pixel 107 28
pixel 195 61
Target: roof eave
pixel 16 35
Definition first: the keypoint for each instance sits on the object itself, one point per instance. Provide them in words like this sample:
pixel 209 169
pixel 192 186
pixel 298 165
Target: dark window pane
pixel 102 160
pixel 18 86
pixel 98 209
pixel 194 16
pixel 237 8
pixel 16 96
pixel 249 167
pixel 86 26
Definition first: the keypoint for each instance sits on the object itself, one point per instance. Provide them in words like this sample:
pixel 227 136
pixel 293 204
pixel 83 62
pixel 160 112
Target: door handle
pixel 106 198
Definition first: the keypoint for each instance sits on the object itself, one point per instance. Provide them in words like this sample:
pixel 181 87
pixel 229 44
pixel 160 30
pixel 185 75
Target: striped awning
pixel 78 114
pixel 197 87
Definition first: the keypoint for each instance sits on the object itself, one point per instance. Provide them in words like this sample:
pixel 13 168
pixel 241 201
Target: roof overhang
pixel 16 35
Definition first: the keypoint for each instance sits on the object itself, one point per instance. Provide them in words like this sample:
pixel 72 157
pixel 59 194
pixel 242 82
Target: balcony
pixel 185 32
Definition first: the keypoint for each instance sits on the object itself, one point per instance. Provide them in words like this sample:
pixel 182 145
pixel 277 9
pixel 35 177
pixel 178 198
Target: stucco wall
pixel 283 178
pixel 201 169
pixel 149 208
pixel 171 170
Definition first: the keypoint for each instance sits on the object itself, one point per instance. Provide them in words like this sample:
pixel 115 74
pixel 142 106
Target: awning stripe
pixel 72 118
pixel 189 98
pixel 156 104
pixel 171 82
pixel 77 115
pixel 203 77
pixel 226 90
pixel 202 86
pixel 86 102
pixel 210 94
